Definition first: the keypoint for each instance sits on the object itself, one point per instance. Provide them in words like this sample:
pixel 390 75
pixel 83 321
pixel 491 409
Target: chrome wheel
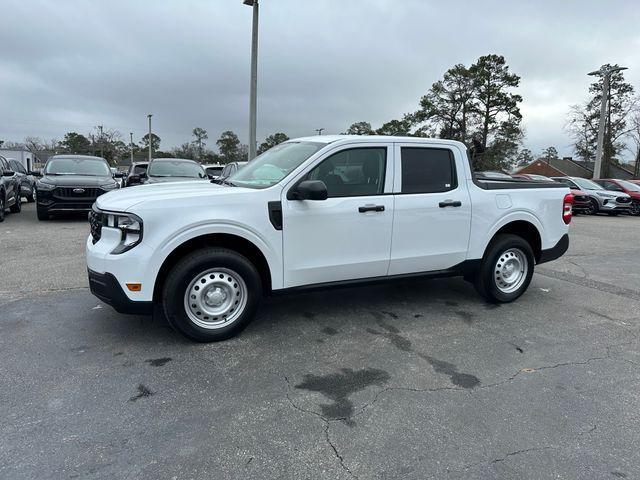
pixel 510 270
pixel 215 298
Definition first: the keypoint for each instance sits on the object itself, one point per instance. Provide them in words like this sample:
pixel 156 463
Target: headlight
pixel 130 227
pixel 40 185
pixel 109 186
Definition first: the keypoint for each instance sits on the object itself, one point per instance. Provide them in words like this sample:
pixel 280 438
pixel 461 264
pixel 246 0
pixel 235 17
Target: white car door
pixel 348 235
pixel 432 212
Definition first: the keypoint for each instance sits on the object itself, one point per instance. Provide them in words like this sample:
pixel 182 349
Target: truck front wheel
pixel 506 269
pixel 211 294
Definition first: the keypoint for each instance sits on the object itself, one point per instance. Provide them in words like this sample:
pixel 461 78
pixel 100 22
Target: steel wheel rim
pixel 510 271
pixel 215 298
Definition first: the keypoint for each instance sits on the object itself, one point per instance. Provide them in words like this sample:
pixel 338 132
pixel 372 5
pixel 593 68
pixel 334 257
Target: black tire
pixel 17 206
pixel 2 206
pixel 635 209
pixel 485 280
pixel 201 263
pixel 43 215
pixel 593 208
pixel 31 198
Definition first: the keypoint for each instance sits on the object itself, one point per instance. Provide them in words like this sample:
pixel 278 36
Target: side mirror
pixel 118 175
pixel 311 190
pixel 8 173
pixel 35 173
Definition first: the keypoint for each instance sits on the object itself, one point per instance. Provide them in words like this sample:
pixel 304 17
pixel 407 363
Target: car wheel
pixel 506 269
pixel 31 197
pixel 593 207
pixel 42 214
pixel 635 209
pixel 211 294
pixel 2 206
pixel 17 206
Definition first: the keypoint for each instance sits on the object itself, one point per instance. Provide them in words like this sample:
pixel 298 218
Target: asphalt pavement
pixel 413 380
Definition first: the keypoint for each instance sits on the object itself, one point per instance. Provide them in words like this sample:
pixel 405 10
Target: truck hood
pixel 171 194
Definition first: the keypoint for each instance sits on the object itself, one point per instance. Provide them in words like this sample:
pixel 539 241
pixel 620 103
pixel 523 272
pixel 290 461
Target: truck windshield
pixel 275 164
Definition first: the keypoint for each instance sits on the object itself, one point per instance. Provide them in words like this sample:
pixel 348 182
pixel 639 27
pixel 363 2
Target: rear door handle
pixel 450 203
pixel 371 208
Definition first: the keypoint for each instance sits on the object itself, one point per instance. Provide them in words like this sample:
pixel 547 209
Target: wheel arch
pixel 524 228
pixel 230 241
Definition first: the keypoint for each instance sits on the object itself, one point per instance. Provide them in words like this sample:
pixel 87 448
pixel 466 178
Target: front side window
pixel 427 170
pixel 77 166
pixel 175 168
pixel 353 173
pixel 17 167
pixel 632 187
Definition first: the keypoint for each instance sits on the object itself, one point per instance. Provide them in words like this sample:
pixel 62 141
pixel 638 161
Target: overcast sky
pixel 70 65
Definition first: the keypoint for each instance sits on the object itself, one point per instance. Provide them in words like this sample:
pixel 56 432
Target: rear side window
pixel 354 172
pixel 427 170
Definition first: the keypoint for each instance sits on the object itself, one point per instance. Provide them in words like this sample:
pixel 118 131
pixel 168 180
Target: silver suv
pixel 605 201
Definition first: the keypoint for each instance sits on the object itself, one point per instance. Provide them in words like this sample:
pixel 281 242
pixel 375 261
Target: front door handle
pixel 450 203
pixel 371 208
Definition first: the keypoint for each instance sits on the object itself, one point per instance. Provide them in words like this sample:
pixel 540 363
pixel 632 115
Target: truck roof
pixel 375 139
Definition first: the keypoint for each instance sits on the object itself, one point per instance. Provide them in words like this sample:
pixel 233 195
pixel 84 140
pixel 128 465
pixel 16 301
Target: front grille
pixel 96 220
pixel 79 193
pixel 623 199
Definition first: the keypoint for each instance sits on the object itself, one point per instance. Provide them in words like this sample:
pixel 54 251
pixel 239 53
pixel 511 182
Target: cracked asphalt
pixel 412 380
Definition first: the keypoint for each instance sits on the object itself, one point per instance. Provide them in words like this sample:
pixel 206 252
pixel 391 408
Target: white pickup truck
pixel 317 212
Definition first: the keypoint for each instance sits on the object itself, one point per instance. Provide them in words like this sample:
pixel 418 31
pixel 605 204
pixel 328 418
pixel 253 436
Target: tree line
pixel 110 144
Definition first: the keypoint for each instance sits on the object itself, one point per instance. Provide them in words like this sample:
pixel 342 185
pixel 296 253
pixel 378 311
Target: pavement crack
pixel 336 452
pixel 520 452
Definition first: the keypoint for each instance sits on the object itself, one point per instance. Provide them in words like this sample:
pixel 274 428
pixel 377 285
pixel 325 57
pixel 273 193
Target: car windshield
pixel 587 184
pixel 138 169
pixel 214 170
pixel 275 164
pixel 77 166
pixel 175 168
pixel 632 187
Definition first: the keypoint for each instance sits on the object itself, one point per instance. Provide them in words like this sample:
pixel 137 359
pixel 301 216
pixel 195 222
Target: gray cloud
pixel 70 65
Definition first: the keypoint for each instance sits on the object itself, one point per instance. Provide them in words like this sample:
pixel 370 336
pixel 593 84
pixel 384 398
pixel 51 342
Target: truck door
pixel 432 213
pixel 348 235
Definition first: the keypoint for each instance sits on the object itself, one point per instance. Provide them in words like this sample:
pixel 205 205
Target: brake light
pixel 567 208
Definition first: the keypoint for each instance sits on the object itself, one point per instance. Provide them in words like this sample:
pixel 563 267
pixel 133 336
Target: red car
pixel 581 203
pixel 630 187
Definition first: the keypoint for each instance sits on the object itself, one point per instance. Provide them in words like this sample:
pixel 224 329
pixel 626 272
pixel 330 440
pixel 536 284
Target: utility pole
pixel 150 142
pixel 101 145
pixel 319 130
pixel 254 79
pixel 604 72
pixel 131 145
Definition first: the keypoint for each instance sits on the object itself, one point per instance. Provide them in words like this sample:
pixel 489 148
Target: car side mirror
pixel 35 173
pixel 118 175
pixel 311 190
pixel 8 173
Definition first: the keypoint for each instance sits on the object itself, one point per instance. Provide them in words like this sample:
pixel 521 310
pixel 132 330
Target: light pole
pixel 319 130
pixel 254 79
pixel 605 72
pixel 131 145
pixel 150 149
pixel 101 146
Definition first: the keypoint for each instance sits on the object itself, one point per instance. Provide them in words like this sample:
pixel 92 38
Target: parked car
pixel 71 183
pixel 229 169
pixel 317 212
pixel 26 180
pixel 601 200
pixel 163 170
pixel 625 186
pixel 9 189
pixel 213 170
pixel 136 173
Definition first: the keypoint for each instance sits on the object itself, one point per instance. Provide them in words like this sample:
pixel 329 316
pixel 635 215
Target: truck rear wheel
pixel 211 294
pixel 506 269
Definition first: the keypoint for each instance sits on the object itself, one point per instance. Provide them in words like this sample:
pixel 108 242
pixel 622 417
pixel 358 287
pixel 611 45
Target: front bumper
pixel 108 289
pixel 63 199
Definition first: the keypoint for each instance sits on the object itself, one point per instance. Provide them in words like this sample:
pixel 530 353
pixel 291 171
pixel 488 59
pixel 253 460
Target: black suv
pixel 71 183
pixel 26 181
pixel 9 189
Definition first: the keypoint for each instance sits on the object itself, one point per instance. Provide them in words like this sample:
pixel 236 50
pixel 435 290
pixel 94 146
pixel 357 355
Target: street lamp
pixel 150 142
pixel 605 72
pixel 254 79
pixel 319 130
